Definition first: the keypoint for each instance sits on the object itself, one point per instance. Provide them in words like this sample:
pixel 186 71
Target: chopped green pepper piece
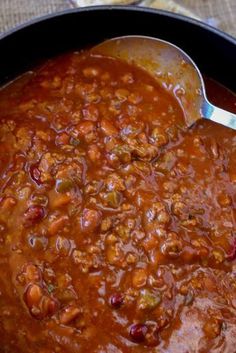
pixel 123 153
pixel 74 141
pixel 51 288
pixel 149 300
pixel 113 199
pixel 64 185
pixel 189 298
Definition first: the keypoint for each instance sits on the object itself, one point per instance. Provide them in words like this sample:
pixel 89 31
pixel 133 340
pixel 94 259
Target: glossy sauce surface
pixel 117 227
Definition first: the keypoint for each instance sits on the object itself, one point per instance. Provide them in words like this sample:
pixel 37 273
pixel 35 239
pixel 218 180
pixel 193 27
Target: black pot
pixel 26 46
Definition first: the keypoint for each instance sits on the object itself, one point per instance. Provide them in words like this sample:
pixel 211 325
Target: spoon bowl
pixel 173 69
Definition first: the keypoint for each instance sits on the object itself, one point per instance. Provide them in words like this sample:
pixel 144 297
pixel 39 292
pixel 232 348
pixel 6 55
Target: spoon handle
pixel 218 115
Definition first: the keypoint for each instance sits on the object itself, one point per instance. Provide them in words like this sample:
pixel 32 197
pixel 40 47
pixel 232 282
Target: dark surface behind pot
pixel 22 49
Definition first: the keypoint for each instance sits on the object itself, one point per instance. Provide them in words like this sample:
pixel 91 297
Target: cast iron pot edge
pixel 117 7
pixel 10 68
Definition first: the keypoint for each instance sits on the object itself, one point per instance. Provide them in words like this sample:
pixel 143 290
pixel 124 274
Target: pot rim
pixel 128 8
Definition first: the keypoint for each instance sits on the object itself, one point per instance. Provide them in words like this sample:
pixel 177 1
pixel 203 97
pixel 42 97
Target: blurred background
pixel 218 13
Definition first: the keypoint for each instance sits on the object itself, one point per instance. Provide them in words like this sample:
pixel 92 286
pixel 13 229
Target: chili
pixel 117 225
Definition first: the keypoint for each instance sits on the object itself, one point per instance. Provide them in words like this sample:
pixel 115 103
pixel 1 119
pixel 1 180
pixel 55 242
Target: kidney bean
pixel 35 174
pixel 117 300
pixel 232 254
pixel 138 332
pixel 34 214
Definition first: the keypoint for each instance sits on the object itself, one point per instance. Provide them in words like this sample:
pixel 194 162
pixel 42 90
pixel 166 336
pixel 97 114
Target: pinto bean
pixel 85 127
pixel 33 295
pixel 69 314
pixel 139 278
pixel 90 220
pixel 57 224
pixel 108 128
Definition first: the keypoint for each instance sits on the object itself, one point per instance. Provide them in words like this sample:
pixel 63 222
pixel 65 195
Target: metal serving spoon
pixel 174 70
